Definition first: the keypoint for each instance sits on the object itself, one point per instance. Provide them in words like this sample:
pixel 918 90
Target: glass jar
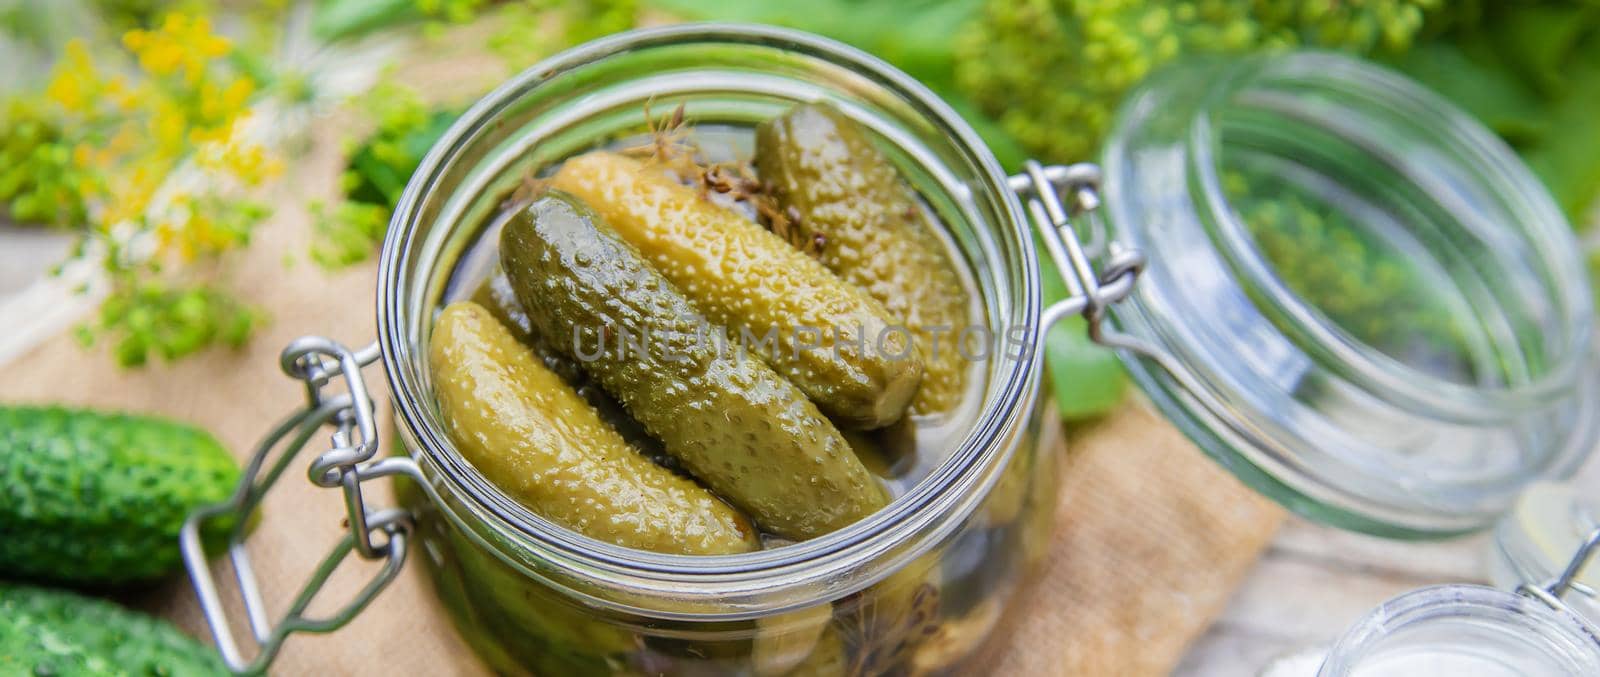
pixel 1360 301
pixel 1465 630
pixel 1533 542
pixel 934 566
pixel 1546 627
pixel 1280 369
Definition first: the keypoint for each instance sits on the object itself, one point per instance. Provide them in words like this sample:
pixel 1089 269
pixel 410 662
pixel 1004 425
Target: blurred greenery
pixel 376 173
pixel 1530 71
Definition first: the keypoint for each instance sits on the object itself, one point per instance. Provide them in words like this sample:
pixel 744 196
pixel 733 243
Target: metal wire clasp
pixel 1088 293
pixel 1552 593
pixel 373 534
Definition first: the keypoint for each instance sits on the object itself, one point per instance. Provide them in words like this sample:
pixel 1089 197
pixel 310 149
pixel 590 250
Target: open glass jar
pixel 1478 630
pixel 1360 301
pixel 1310 398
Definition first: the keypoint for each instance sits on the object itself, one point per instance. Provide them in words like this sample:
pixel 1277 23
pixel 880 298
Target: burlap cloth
pixel 1152 537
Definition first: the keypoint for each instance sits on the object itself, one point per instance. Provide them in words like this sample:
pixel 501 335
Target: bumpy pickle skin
pixel 535 439
pixel 822 167
pixel 860 369
pixel 731 420
pixel 496 296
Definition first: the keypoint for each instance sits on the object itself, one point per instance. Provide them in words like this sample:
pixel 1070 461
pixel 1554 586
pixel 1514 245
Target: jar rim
pixel 1013 385
pixel 1485 605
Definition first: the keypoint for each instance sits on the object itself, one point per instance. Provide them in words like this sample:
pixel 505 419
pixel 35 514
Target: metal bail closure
pixel 1089 294
pixel 317 362
pixel 1552 593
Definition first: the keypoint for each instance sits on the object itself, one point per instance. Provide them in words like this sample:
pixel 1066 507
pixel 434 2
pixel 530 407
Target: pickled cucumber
pixel 785 641
pixel 827 659
pixel 820 165
pixel 495 294
pixel 734 423
pixel 827 337
pixel 531 435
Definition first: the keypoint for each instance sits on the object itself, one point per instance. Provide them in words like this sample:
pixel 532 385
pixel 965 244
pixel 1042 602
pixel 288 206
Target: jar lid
pixel 1357 298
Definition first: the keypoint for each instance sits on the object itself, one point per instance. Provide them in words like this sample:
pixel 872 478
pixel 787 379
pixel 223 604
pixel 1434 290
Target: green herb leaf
pixel 1086 378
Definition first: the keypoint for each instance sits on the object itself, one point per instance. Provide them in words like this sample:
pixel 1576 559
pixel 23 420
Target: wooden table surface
pixel 1315 581
pixel 1312 583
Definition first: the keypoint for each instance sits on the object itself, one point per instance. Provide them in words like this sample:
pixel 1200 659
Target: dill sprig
pixel 153 166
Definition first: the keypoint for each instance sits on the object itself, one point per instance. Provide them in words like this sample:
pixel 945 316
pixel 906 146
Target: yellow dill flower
pixel 72 87
pixel 251 163
pixel 219 102
pixel 168 125
pixel 205 136
pixel 161 157
pixel 183 44
pixel 237 94
pixel 166 234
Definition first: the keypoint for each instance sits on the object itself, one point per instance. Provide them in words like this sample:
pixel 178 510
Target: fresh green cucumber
pixel 97 499
pixel 62 634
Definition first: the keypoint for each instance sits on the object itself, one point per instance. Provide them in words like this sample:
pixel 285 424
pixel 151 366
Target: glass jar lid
pixel 1358 299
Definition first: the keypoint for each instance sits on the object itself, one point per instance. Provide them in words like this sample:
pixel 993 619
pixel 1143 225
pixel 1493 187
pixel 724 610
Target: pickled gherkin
pixel 535 439
pixel 785 641
pixel 829 338
pixel 827 659
pixel 821 167
pixel 738 426
pixel 495 295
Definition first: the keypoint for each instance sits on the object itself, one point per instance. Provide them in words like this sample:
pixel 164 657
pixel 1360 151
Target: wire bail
pixel 1088 292
pixel 1552 593
pixel 317 362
